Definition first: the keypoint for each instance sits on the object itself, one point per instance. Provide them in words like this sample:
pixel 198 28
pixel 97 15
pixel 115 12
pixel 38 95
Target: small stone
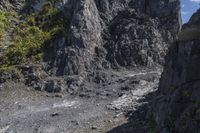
pixel 75 122
pixel 54 114
pixel 59 95
pixel 94 128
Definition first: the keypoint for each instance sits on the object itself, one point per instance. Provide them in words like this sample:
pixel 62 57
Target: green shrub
pixel 28 41
pixel 4 22
pixel 186 93
pixel 189 34
pixel 198 110
pixel 33 33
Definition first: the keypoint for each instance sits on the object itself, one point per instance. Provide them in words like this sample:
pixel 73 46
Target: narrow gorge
pixel 98 66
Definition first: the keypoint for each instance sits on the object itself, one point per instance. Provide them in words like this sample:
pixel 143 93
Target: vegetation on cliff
pixel 4 23
pixel 32 33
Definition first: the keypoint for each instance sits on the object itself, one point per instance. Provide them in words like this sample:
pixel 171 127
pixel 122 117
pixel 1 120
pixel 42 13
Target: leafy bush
pixel 28 41
pixel 33 33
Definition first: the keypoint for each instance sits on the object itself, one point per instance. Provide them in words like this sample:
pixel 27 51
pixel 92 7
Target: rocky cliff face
pixel 111 50
pixel 105 35
pixel 116 34
pixel 178 106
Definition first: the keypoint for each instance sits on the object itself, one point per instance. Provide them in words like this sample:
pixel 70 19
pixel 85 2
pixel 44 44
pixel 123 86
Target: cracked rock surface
pixel 103 75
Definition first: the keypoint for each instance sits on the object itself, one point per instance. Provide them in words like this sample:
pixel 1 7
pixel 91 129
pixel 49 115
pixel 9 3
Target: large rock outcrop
pixel 113 34
pixel 109 34
pixel 177 109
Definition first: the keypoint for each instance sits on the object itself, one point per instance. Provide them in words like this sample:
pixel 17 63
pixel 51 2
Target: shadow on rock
pixel 139 120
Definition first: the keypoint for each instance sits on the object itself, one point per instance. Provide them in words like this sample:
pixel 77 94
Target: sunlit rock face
pixel 107 35
pixel 113 34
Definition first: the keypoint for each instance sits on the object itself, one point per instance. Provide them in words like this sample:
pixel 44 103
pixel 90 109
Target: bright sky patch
pixel 188 7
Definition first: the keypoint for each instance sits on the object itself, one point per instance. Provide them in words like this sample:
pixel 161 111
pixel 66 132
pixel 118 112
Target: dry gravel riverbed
pixel 27 111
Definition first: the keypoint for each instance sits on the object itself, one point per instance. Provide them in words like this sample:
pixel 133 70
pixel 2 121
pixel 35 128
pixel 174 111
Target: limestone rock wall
pixel 177 106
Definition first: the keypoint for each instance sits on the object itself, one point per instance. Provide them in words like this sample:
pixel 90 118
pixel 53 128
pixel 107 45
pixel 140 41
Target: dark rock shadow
pixel 139 120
